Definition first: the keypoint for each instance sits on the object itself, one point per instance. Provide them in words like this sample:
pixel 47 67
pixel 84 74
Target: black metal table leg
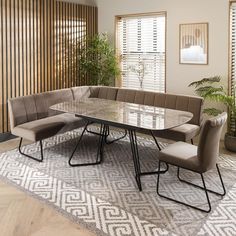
pixel 102 138
pixel 90 131
pixel 101 141
pixel 107 134
pixel 156 171
pixel 114 140
pixel 158 146
pixel 134 149
pixel 155 140
pixel 135 155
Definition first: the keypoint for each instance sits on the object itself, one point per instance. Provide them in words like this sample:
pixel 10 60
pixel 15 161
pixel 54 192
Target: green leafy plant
pixel 97 60
pixel 212 89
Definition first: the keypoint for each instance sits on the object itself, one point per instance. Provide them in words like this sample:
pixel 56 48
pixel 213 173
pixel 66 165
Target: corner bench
pixel 31 117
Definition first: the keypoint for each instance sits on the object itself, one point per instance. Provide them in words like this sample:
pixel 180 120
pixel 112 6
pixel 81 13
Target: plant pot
pixel 230 142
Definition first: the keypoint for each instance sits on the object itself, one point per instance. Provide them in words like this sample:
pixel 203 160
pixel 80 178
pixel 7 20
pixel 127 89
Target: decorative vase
pixel 230 142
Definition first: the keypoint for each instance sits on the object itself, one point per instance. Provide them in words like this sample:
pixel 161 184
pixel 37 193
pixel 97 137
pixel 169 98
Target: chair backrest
pixel 208 148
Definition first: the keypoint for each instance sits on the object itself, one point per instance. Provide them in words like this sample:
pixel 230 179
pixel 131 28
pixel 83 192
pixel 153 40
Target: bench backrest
pixel 33 107
pixel 95 92
pixel 192 104
pixel 29 108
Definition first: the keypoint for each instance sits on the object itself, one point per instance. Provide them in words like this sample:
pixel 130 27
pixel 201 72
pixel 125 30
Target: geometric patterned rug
pixel 105 199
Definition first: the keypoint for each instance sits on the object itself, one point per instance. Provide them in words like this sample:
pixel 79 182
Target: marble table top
pixel 125 115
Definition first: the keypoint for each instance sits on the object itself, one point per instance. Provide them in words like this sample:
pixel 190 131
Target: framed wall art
pixel 193 40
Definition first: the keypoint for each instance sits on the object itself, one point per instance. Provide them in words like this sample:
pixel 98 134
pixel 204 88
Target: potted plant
pixel 97 60
pixel 212 89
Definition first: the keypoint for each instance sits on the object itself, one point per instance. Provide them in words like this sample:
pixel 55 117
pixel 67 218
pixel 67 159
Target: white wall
pixel 179 11
pixel 86 2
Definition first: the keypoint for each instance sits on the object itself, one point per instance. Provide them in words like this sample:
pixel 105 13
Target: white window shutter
pixel 232 56
pixel 142 51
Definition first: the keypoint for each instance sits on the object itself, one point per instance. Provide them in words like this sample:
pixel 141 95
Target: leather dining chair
pixel 199 159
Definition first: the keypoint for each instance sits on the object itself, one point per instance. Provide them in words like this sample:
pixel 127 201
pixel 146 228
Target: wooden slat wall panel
pixel 4 75
pixel 36 40
pixel 1 66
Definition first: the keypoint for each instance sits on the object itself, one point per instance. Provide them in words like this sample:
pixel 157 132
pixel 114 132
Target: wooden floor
pixel 22 215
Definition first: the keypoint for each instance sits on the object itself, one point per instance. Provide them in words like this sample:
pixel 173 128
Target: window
pixel 141 48
pixel 232 77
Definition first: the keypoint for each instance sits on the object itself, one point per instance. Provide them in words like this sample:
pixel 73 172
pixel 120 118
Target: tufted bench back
pixel 34 107
pixel 192 104
pixel 95 92
pixel 172 101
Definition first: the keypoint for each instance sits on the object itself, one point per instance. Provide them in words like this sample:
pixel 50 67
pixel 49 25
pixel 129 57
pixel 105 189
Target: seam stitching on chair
pixel 35 107
pixel 72 93
pixel 176 102
pixel 25 110
pixel 153 100
pixel 107 92
pixel 188 110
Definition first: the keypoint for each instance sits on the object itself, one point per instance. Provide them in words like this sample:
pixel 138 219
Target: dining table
pixel 130 117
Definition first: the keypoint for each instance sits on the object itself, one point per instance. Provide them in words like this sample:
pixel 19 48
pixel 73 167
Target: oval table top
pixel 124 114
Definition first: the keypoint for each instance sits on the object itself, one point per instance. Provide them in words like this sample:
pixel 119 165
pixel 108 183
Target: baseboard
pixel 6 136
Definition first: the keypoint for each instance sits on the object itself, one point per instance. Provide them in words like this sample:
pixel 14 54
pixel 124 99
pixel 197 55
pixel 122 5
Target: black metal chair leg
pixel 183 203
pixel 34 158
pixel 221 181
pixel 207 197
pixel 99 152
pixel 197 186
pixel 191 141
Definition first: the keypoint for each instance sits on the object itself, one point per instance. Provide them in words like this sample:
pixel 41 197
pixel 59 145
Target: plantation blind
pixel 232 78
pixel 142 54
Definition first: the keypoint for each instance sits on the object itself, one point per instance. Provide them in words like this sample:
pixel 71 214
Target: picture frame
pixel 193 43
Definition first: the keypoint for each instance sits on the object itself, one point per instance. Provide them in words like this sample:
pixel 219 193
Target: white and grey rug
pixel 105 198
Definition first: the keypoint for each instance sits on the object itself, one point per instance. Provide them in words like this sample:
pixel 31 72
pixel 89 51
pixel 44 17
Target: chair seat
pixel 181 154
pixel 183 132
pixel 44 128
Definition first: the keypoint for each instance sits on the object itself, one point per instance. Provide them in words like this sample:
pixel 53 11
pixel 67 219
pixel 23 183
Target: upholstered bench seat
pixel 183 132
pixel 44 128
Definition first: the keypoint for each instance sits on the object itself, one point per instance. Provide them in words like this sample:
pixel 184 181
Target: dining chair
pixel 199 159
